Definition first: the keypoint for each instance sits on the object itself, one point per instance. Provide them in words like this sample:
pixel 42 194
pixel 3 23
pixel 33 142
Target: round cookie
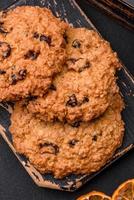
pixel 62 149
pixel 83 90
pixel 32 51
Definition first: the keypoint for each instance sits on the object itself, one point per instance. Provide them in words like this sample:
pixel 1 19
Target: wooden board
pixel 122 10
pixel 70 12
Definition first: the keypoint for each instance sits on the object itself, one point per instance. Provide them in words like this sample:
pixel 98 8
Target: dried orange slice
pixel 94 196
pixel 125 191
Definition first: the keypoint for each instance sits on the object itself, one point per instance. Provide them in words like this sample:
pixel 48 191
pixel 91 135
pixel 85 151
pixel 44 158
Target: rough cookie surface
pixel 61 149
pixel 83 90
pixel 31 51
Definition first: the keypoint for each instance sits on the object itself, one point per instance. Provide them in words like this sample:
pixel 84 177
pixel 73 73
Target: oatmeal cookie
pixel 83 90
pixel 32 51
pixel 62 149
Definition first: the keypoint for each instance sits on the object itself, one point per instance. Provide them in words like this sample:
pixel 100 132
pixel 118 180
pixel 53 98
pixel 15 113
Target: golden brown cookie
pixel 62 149
pixel 31 51
pixel 83 90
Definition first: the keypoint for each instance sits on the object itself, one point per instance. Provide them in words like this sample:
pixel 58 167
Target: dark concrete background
pixel 15 184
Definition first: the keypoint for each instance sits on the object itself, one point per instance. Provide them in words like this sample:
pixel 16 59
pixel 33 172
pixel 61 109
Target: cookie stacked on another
pixel 67 113
pixel 84 88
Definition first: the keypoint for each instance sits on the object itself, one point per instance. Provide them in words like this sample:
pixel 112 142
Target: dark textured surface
pixel 15 184
pixel 120 10
pixel 129 2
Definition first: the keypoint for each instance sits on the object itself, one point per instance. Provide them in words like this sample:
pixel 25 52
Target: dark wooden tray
pixel 122 10
pixel 69 11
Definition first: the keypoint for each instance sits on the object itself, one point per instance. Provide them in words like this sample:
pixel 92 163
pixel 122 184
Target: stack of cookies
pixel 67 106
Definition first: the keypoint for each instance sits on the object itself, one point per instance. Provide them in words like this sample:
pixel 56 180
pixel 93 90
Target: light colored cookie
pixel 31 51
pixel 62 149
pixel 83 90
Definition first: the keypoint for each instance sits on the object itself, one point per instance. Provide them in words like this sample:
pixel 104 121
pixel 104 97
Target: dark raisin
pixel 18 76
pixel 13 79
pixel 73 142
pixel 31 98
pixel 22 74
pixel 2 71
pixel 52 87
pixel 54 149
pixel 94 138
pixel 3 31
pixel 4 13
pixel 85 99
pixel 72 101
pixel 76 124
pixel 36 35
pixel 55 119
pixel 11 28
pixel 87 65
pixel 5 50
pixel 76 44
pixel 73 60
pixel 46 39
pixel 65 37
pixel 7 53
pixel 31 55
pixel 1 23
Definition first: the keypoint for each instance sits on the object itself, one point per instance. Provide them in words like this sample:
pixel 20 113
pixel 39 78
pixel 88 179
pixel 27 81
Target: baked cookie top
pixel 62 149
pixel 31 51
pixel 83 90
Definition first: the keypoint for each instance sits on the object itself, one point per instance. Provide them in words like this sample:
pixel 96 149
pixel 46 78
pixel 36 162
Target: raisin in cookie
pixel 61 149
pixel 83 90
pixel 31 51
